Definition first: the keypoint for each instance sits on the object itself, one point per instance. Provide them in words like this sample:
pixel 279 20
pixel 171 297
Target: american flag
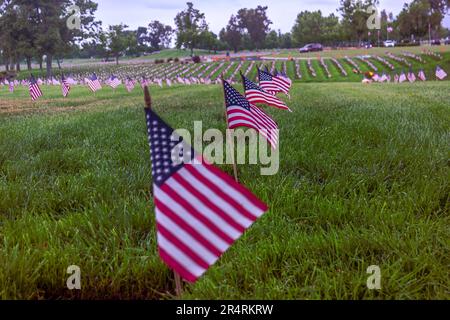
pixel 255 94
pixel 242 113
pixel 129 84
pixel 273 84
pixel 94 83
pixel 200 211
pixel 376 78
pixel 411 76
pixel 144 82
pixel 440 73
pixel 422 75
pixel 114 82
pixel 11 86
pixel 35 91
pixel 65 86
pixel 284 76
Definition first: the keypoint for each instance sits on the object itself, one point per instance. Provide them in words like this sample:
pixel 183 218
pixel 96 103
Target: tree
pixel 208 41
pixel 314 27
pixel 286 41
pixel 191 23
pixel 159 35
pixel 39 27
pixel 272 40
pixel 232 34
pixel 119 40
pixel 256 23
pixel 53 35
pixel 355 15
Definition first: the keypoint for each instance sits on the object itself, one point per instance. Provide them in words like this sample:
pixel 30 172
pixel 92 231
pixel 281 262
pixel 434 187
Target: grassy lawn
pixel 354 52
pixel 175 53
pixel 141 68
pixel 364 180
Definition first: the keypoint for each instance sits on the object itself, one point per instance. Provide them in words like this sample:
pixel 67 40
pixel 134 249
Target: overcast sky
pixel 137 13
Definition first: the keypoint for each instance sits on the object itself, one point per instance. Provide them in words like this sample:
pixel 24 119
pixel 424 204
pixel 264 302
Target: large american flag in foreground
pixel 35 91
pixel 255 94
pixel 273 84
pixel 200 211
pixel 94 83
pixel 242 113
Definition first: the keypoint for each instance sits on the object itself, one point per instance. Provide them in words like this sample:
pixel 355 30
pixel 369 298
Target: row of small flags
pixel 409 76
pixel 200 210
pixel 95 84
pixel 281 80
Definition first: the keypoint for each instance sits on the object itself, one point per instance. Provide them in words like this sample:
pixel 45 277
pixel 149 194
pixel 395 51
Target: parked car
pixel 312 47
pixel 436 42
pixel 389 43
pixel 366 45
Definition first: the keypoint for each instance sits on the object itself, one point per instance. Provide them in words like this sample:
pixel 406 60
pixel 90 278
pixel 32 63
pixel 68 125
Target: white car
pixel 389 44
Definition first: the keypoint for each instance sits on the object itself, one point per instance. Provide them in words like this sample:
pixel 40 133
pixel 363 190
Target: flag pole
pixel 178 282
pixel 235 170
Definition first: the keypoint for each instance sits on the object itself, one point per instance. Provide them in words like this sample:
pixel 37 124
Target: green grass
pixel 364 180
pixel 354 52
pixel 149 69
pixel 175 53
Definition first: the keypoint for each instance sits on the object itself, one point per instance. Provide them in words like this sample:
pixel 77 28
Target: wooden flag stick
pixel 178 285
pixel 178 281
pixel 229 137
pixel 147 98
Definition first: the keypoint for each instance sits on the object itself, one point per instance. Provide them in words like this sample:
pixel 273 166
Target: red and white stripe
pixel 65 87
pixel 259 96
pixel 35 91
pixel 94 85
pixel 440 73
pixel 254 118
pixel 200 213
pixel 277 84
pixel 114 83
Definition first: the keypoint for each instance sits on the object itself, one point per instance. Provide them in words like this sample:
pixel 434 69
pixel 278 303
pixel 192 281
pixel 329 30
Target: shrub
pixel 196 59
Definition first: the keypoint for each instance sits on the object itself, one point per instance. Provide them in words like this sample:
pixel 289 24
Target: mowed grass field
pixel 339 53
pixel 364 180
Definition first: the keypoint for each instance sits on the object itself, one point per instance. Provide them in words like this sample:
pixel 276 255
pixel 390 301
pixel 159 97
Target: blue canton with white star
pixel 250 85
pixel 234 98
pixel 168 151
pixel 264 76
